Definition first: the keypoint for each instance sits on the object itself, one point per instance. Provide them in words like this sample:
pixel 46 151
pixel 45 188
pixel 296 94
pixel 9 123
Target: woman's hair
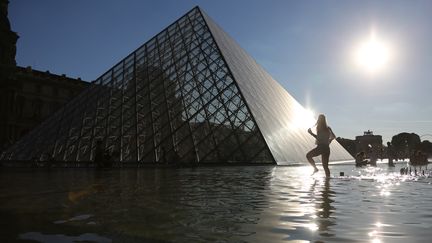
pixel 321 123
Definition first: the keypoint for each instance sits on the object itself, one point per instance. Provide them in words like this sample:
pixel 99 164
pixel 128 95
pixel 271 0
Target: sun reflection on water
pixel 313 210
pixel 311 226
pixel 372 233
pixel 376 241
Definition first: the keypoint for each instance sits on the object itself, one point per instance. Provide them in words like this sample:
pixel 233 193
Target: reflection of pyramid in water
pixel 191 91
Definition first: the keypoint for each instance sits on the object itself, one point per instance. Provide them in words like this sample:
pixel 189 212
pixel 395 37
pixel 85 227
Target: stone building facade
pixel 27 96
pixel 370 144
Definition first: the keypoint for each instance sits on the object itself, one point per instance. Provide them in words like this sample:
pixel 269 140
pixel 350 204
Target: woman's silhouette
pixel 323 138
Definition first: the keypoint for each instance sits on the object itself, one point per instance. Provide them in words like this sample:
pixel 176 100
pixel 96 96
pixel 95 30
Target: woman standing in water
pixel 323 138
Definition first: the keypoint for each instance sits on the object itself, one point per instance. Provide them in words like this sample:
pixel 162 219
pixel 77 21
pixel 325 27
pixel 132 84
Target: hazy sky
pixel 305 45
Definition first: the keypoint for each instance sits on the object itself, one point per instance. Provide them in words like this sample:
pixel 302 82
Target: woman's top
pixel 324 137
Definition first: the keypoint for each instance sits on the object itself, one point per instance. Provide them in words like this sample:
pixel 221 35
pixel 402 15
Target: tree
pixel 405 144
pixel 426 147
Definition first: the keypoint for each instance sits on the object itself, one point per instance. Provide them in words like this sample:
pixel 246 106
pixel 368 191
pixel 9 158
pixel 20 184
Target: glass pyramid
pixel 189 94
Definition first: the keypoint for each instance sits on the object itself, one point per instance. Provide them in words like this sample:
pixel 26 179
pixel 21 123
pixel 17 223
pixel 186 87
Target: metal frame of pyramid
pixel 190 94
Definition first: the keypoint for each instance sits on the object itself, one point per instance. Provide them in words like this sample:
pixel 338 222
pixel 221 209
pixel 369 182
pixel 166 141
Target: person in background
pixel 99 155
pixel 390 154
pixel 360 159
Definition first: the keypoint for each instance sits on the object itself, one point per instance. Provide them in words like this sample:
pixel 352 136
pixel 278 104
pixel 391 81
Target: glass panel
pixel 274 110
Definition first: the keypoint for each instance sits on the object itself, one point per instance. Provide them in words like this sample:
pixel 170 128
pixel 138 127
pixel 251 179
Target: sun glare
pixel 373 55
pixel 304 118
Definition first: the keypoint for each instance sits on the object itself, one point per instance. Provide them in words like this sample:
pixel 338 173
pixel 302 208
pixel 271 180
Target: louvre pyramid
pixel 190 93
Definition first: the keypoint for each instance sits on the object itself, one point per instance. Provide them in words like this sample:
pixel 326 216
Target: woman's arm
pixel 311 133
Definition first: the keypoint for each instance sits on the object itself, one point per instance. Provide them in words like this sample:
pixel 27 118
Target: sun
pixel 303 118
pixel 373 55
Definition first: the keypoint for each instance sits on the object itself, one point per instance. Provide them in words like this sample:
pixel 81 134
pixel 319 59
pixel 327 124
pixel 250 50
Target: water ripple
pixel 222 204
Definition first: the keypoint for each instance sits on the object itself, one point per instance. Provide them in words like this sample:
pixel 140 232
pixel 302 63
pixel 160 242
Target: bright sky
pixel 310 47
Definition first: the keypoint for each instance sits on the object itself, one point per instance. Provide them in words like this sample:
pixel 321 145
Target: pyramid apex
pixel 197 7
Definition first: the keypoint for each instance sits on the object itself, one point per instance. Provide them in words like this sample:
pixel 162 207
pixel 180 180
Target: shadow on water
pixel 157 205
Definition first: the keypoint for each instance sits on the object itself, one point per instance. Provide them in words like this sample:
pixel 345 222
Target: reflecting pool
pixel 223 204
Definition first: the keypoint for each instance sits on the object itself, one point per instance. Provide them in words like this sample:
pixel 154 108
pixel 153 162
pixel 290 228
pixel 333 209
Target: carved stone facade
pixel 27 97
pixel 8 37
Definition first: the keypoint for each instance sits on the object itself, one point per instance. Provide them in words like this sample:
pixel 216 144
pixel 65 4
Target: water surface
pixel 223 204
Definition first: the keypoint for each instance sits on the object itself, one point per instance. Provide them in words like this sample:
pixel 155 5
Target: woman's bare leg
pixel 313 153
pixel 325 161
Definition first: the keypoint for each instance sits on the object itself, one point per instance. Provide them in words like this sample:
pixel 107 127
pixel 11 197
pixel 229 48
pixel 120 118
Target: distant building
pixel 369 143
pixel 27 96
